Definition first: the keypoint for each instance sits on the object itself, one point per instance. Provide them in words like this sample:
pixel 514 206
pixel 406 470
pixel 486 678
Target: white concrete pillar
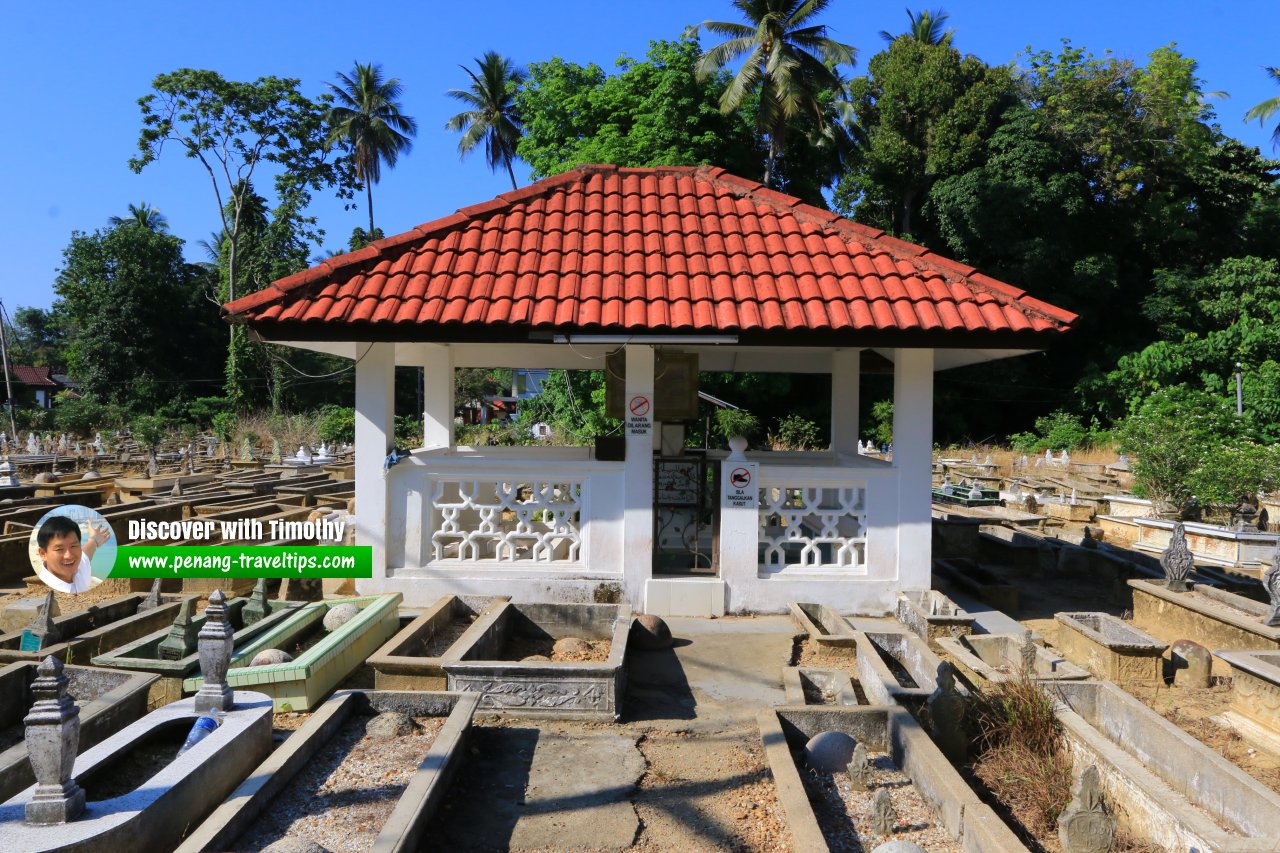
pixel 845 385
pixel 437 396
pixel 913 458
pixel 639 428
pixel 375 437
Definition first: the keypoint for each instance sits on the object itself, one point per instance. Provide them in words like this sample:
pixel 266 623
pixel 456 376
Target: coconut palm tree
pixel 367 116
pixel 492 116
pixel 1265 110
pixel 142 214
pixel 790 62
pixel 926 27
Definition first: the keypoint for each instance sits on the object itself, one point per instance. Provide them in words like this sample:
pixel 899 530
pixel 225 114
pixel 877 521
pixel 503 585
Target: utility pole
pixel 8 387
pixel 1239 390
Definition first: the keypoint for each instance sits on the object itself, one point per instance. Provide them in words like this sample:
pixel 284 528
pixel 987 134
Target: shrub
pixel 148 430
pixel 203 410
pixel 797 433
pixel 1022 757
pixel 408 431
pixel 223 425
pixel 731 422
pixel 882 422
pixel 1190 444
pixel 338 424
pixel 32 418
pixel 81 416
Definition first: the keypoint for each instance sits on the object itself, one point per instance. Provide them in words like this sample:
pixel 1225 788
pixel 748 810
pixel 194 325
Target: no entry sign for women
pixel 639 414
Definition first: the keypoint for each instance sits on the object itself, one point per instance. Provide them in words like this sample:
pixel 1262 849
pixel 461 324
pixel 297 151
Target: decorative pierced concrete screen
pixel 478 520
pixel 813 528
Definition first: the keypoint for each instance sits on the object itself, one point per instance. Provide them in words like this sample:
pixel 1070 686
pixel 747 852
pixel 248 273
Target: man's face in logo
pixel 62 556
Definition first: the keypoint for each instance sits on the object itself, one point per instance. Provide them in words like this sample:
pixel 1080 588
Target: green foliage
pixel 367 118
pixel 924 111
pixel 572 403
pixel 338 424
pixel 491 435
pixel 203 410
pixel 224 425
pixel 83 416
pixel 1189 443
pixel 789 68
pixel 471 385
pixel 408 431
pixel 32 418
pixel 231 128
pixel 650 113
pixel 882 422
pixel 138 326
pixel 36 338
pixel 796 432
pixel 148 430
pixel 494 115
pixel 1209 322
pixel 731 422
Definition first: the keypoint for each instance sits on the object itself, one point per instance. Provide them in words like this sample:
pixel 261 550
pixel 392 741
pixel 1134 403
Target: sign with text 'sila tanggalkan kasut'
pixel 740 489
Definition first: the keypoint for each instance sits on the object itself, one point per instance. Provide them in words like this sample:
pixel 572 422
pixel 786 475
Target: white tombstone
pixel 33 447
pixel 1048 455
pixel 988 462
pixel 303 457
pixel 1066 458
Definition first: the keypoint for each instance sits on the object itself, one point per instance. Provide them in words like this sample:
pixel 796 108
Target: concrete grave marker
pixel 859 769
pixel 882 816
pixel 153 599
pixel 53 739
pixel 42 633
pixel 182 636
pixel 1271 580
pixel 215 642
pixel 1192 664
pixel 946 710
pixel 257 609
pixel 1176 560
pixel 1085 826
pixel 1027 654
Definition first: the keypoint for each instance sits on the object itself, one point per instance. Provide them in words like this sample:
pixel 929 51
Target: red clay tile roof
pixel 668 250
pixel 33 377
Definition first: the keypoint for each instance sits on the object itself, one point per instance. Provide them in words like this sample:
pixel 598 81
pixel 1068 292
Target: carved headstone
pixel 1030 505
pixel 246 450
pixel 8 474
pixel 176 491
pixel 882 816
pixel 1176 560
pixel 42 632
pixel 53 738
pixel 257 609
pixel 1264 520
pixel 152 468
pixel 859 769
pixel 182 635
pixel 1246 511
pixel 946 711
pixel 276 458
pixel 153 600
pixel 1271 580
pixel 216 642
pixel 1087 541
pixel 1085 826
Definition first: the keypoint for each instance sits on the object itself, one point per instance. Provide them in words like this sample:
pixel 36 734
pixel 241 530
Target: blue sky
pixel 74 72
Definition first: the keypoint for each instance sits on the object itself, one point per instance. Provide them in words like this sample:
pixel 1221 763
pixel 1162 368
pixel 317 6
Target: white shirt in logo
pixel 80 583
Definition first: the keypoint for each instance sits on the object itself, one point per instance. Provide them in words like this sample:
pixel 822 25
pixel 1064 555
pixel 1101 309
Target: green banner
pixel 243 561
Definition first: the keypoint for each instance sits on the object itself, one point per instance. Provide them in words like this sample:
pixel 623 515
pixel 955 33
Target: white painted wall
pixel 637 554
pixel 845 391
pixel 913 459
pixel 375 434
pixel 437 396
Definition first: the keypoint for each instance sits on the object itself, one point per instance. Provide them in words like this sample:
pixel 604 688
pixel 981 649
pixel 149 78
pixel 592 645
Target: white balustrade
pixel 507 520
pixel 813 526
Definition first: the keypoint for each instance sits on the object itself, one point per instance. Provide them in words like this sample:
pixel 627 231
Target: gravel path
pixel 345 794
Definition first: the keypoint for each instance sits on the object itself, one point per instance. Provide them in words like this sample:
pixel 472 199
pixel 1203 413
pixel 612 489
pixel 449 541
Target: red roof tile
pixel 33 377
pixel 673 249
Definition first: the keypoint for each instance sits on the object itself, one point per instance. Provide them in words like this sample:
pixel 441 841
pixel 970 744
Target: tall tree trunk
pixel 368 189
pixel 512 173
pixel 769 162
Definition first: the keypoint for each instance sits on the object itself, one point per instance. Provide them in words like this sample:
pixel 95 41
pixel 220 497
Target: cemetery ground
pixel 690 765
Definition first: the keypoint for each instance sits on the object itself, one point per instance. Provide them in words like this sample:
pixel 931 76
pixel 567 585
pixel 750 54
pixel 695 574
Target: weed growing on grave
pixel 1022 756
